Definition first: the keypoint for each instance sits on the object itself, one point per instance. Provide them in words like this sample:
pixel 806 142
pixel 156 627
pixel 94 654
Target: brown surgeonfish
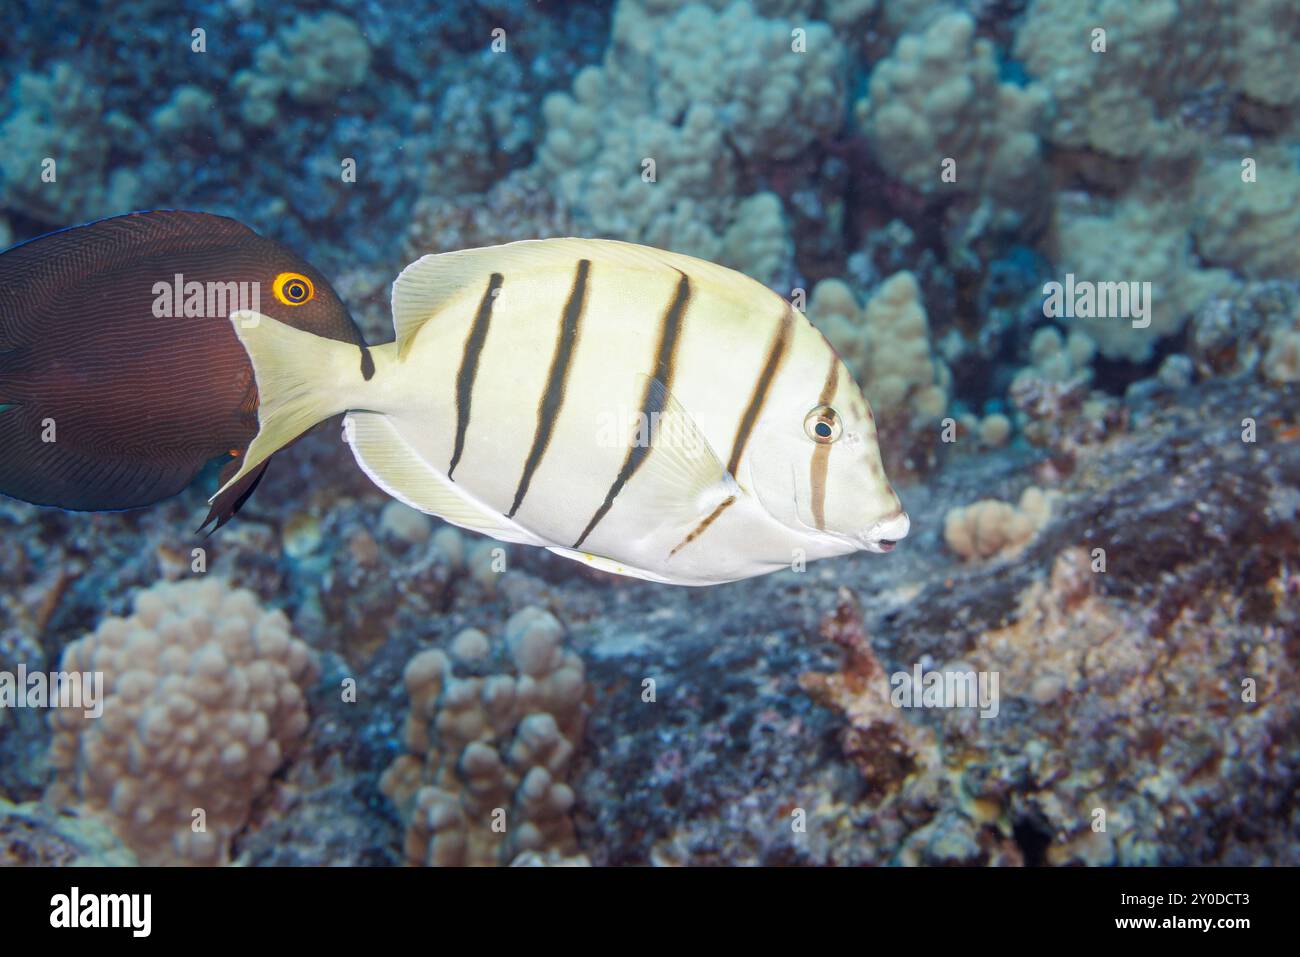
pixel 121 377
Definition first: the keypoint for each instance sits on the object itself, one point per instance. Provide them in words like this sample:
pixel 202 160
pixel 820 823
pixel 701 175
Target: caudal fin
pixel 302 380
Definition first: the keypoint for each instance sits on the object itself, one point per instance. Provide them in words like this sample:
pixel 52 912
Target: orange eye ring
pixel 293 289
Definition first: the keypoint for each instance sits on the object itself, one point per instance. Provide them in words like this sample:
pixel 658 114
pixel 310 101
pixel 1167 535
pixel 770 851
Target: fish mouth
pixel 884 535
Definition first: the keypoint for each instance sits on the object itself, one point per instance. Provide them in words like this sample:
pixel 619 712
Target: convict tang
pixel 641 411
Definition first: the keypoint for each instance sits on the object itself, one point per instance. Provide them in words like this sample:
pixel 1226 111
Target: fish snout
pixel 886 533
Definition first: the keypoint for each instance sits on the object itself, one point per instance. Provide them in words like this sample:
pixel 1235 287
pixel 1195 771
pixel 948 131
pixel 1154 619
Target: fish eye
pixel 293 288
pixel 823 425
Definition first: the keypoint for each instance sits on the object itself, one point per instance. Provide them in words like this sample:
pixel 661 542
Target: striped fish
pixel 643 412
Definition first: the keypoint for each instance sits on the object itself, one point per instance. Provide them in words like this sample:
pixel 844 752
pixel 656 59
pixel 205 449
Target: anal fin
pixel 395 467
pixel 609 565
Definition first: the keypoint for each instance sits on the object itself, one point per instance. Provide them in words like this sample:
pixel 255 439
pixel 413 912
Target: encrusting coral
pixel 488 750
pixel 203 703
pixel 33 834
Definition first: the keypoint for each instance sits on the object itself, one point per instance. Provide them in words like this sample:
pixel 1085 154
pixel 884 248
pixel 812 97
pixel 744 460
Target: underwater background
pixel 1104 507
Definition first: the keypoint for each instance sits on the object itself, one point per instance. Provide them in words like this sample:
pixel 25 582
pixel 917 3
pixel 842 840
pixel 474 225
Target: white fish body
pixel 648 413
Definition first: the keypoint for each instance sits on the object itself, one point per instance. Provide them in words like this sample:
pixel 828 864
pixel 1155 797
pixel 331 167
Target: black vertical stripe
pixel 652 400
pixel 469 365
pixel 548 410
pixel 775 353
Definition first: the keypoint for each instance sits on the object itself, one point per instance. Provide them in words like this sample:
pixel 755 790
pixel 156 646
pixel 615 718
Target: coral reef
pixel 1113 100
pixel 204 702
pixel 62 172
pixel 1137 241
pixel 1056 407
pixel 311 60
pixel 938 98
pixel 651 146
pixel 483 781
pixel 1249 225
pixel 886 344
pixel 885 747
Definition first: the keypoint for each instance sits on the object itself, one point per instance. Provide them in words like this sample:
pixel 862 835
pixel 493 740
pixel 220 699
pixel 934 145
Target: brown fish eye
pixel 823 425
pixel 293 288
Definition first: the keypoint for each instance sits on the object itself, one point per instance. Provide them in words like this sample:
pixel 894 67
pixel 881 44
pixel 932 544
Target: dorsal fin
pixel 428 285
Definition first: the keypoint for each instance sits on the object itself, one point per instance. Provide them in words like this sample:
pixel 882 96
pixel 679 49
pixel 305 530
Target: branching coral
pixel 189 107
pixel 204 702
pixel 1117 102
pixel 1250 225
pixel 1268 47
pixel 886 343
pixel 483 782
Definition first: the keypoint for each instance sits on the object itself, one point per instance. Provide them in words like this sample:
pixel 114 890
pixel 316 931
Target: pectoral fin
pixel 681 478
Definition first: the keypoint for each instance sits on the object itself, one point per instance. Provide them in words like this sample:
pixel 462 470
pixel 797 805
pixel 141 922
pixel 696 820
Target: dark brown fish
pixel 121 376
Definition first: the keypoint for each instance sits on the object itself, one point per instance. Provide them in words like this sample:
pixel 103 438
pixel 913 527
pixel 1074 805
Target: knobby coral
pixel 488 750
pixel 203 703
